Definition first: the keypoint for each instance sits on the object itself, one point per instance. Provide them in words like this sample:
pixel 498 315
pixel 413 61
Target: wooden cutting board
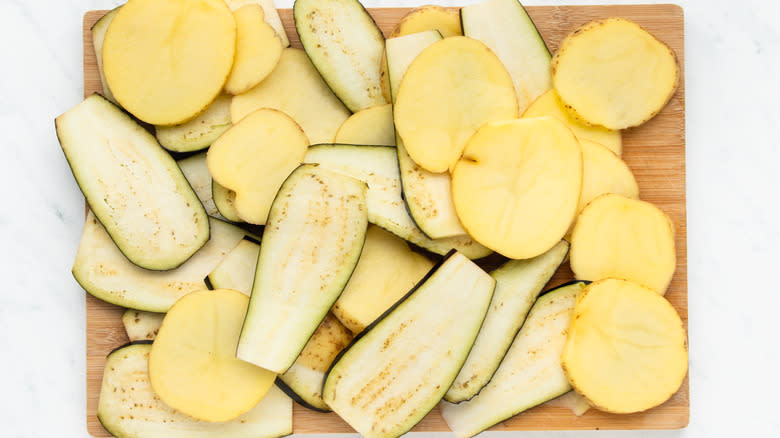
pixel 655 152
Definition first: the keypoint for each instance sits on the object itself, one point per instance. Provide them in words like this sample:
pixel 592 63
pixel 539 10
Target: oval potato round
pixel 258 49
pixel 604 172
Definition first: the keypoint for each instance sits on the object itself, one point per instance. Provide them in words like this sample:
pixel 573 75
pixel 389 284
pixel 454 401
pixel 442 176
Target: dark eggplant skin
pixel 297 398
pixel 129 344
pixel 463 27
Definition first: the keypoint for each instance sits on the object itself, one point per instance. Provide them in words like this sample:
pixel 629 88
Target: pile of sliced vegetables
pixel 460 134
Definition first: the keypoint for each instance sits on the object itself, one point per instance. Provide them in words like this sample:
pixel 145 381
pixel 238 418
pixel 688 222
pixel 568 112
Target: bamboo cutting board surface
pixel 655 152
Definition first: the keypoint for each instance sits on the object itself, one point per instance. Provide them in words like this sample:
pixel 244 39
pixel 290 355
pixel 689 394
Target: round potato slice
pixel 451 89
pixel 371 126
pixel 604 172
pixel 258 49
pixel 616 236
pixel 548 104
pixel 626 349
pixel 517 185
pixel 193 366
pixel 429 17
pixel 254 157
pixel 165 61
pixel 614 74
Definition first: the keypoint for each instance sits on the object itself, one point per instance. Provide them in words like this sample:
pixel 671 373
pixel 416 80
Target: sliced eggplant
pixel 132 185
pixel 312 242
pixel 102 270
pixel 197 173
pixel 377 166
pixel 345 45
pixel 530 373
pixel 392 375
pixel 140 325
pixel 303 380
pixel 224 199
pixel 237 270
pixel 518 283
pixel 98 35
pixel 144 416
pixel 505 27
pixel 199 132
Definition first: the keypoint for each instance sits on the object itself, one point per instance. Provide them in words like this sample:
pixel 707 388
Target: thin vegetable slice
pixel 254 157
pixel 387 270
pixel 505 27
pixel 615 236
pixel 345 44
pixel 257 49
pixel 166 61
pixel 604 172
pixel 140 325
pixel 517 185
pixel 197 173
pixel 237 270
pixel 224 201
pixel 303 380
pixel 530 373
pixel 192 365
pixel 429 17
pixel 398 370
pixel 450 89
pixel 373 126
pixel 626 349
pixel 573 401
pixel 549 104
pixel 518 283
pixel 295 88
pixel 145 415
pixel 271 16
pixel 98 35
pixel 104 272
pixel 377 166
pixel 615 74
pixel 428 195
pixel 132 185
pixel 199 132
pixel 311 244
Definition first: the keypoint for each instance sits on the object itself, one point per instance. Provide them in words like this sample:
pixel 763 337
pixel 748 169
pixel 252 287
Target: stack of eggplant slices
pixel 313 225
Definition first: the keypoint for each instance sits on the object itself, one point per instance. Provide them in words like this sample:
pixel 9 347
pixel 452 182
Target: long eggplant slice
pixel 401 366
pixel 530 373
pixel 377 166
pixel 518 283
pixel 505 27
pixel 102 270
pixel 140 325
pixel 346 46
pixel 197 173
pixel 132 185
pixel 237 270
pixel 129 408
pixel 311 244
pixel 303 380
pixel 223 202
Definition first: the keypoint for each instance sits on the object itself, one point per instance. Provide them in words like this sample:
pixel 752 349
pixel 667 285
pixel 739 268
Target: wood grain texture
pixel 655 152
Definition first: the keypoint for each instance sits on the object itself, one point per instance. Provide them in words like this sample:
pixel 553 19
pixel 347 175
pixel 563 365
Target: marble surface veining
pixel 733 161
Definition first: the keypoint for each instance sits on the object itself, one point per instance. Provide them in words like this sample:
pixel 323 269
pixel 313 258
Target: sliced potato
pixel 371 126
pixel 193 366
pixel 166 61
pixel 254 157
pixel 429 17
pixel 626 350
pixel 199 132
pixel 270 13
pixel 224 201
pixel 604 172
pixel 295 88
pixel 237 270
pixel 571 400
pixel 548 104
pixel 141 325
pixel 387 270
pixel 258 49
pixel 614 74
pixel 452 88
pixel 99 30
pixel 517 185
pixel 615 236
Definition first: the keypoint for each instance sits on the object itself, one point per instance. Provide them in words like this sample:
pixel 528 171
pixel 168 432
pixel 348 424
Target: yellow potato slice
pixel 614 74
pixel 271 16
pixel 371 126
pixel 429 17
pixel 451 89
pixel 548 104
pixel 258 49
pixel 193 366
pixel 626 350
pixel 254 157
pixel 615 236
pixel 387 270
pixel 295 88
pixel 517 185
pixel 604 172
pixel 199 132
pixel 166 61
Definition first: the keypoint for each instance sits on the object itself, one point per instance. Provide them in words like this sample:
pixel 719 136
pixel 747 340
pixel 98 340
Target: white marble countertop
pixel 733 161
